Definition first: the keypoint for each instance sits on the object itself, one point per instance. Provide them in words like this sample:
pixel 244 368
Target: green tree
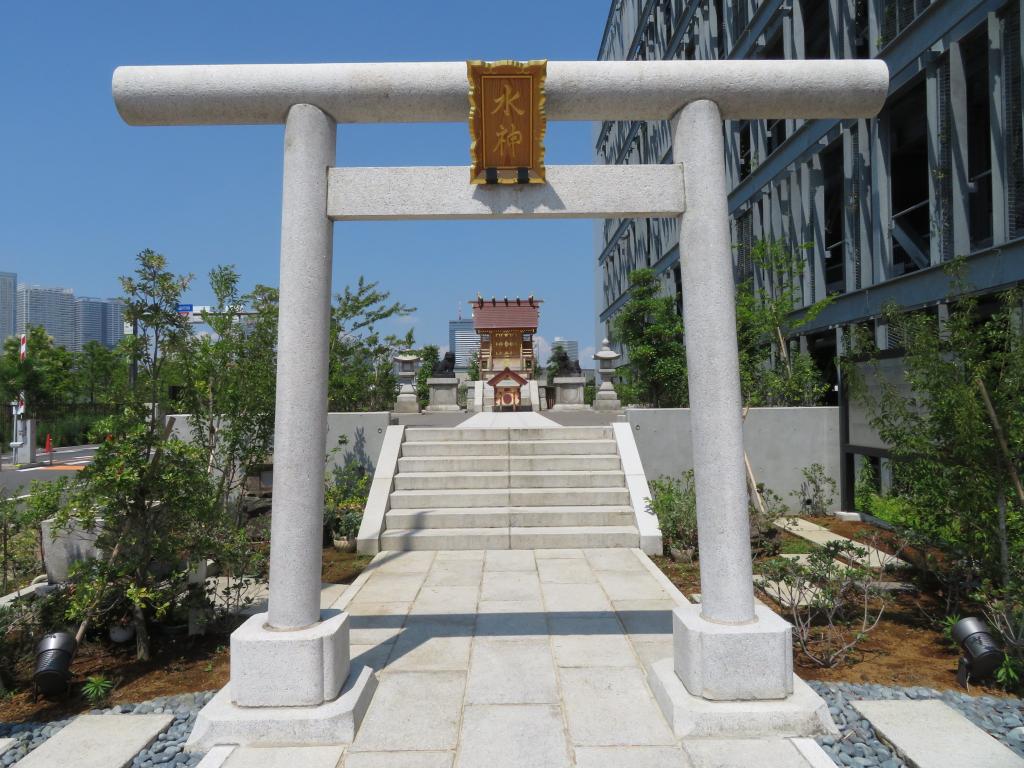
pixel 429 357
pixel 559 363
pixel 474 368
pixel 230 383
pixel 96 371
pixel 652 332
pixel 362 376
pixel 773 370
pixel 46 376
pixel 955 428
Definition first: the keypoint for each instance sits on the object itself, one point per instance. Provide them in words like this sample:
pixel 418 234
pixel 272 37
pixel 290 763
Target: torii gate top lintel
pixel 238 94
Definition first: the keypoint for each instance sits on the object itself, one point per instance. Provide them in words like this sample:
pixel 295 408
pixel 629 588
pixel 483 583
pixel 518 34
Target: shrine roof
pixel 507 374
pixel 490 314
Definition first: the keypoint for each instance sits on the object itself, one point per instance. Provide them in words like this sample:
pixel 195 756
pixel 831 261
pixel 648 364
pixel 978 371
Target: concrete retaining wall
pixel 364 433
pixel 780 442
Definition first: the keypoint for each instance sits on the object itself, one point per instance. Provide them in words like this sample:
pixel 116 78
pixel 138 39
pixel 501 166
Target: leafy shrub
pixel 1004 611
pixel 674 501
pixel 96 688
pixel 345 495
pixel 817 491
pixel 764 536
pixel 832 606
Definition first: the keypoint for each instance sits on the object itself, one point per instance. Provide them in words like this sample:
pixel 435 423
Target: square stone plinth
pixel 294 668
pixel 733 662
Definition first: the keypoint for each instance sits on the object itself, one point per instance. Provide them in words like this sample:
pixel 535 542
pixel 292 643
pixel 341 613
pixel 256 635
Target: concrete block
pixel 334 722
pixel 413 711
pixel 443 395
pixel 802 713
pixel 285 757
pixel 590 478
pixel 378 500
pixel 450 448
pixel 418 519
pixel 63 547
pixel 639 491
pixel 559 497
pixel 515 560
pixel 439 481
pixel 730 662
pixel 473 497
pixel 510 586
pixel 586 462
pixel 441 539
pixel 562 447
pixel 539 517
pixel 930 734
pixel 768 752
pixel 303 667
pixel 98 741
pixel 574 536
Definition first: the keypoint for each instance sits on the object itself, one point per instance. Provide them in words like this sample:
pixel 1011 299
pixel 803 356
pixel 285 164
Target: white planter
pixel 121 633
pixel 348 544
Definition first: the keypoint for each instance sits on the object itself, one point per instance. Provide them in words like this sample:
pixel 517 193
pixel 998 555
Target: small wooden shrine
pixel 508 390
pixel 506 328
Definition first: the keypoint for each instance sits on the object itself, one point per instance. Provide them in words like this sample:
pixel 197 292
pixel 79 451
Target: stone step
pixel 453 464
pixel 569 537
pixel 562 447
pixel 496 517
pixel 440 481
pixel 603 478
pixel 554 461
pixel 508 497
pixel 454 448
pixel 451 435
pixel 522 434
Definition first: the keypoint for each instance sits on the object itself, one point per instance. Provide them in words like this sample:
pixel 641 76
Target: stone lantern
pixel 606 399
pixel 407 400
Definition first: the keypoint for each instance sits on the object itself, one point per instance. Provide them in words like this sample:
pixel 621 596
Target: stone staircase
pixel 509 489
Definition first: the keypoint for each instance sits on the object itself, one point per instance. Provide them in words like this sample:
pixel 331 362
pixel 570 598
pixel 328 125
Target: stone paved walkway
pixel 518 658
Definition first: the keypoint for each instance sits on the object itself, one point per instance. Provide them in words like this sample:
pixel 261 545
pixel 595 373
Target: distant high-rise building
pixel 98 320
pixel 463 342
pixel 8 304
pixel 51 308
pixel 572 348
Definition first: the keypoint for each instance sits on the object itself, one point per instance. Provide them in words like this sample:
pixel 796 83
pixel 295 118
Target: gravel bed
pixel 165 751
pixel 858 746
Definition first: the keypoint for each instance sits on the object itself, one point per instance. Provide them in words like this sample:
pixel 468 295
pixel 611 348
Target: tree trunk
pixel 1004 545
pixel 141 634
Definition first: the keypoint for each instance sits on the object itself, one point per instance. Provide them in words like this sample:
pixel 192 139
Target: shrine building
pixel 506 328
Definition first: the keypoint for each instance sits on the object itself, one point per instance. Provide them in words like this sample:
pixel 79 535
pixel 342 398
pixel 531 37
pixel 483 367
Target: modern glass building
pixel 98 320
pixel 463 341
pixel 51 308
pixel 8 304
pixel 882 204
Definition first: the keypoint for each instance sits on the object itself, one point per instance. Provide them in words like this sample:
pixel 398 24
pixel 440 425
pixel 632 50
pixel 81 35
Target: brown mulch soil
pixel 179 664
pixel 904 649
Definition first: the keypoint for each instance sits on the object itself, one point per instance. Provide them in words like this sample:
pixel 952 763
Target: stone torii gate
pixel 290 676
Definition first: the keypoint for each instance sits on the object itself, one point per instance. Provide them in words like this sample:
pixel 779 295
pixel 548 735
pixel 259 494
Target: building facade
pixel 99 320
pixel 571 347
pixel 51 308
pixel 463 342
pixel 8 304
pixel 875 207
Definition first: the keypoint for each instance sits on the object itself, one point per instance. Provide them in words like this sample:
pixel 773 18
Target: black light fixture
pixel 53 663
pixel 982 656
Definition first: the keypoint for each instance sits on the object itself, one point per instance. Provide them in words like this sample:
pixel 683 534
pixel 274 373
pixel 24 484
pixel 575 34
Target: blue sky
pixel 81 192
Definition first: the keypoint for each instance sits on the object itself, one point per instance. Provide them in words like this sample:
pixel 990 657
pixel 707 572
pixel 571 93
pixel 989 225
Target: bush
pixel 764 536
pixel 1004 611
pixel 832 606
pixel 345 497
pixel 817 491
pixel 674 501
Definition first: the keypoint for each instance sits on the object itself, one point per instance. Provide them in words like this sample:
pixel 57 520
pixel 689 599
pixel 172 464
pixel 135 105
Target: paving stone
pixel 631 757
pixel 390 587
pixel 510 560
pixel 432 646
pixel 405 562
pixel 575 598
pixel 98 741
pixel 930 734
pixel 613 560
pixel 566 571
pixel 612 707
pixel 441 600
pixel 285 757
pixel 645 619
pixel 460 554
pixel 511 672
pixel 591 643
pixel 651 651
pixel 510 585
pixel 398 760
pixel 630 585
pixel 6 744
pixel 727 753
pixel 512 736
pixel 558 554
pixel 511 618
pixel 413 711
pixel 376 623
pixel 373 656
pixel 455 573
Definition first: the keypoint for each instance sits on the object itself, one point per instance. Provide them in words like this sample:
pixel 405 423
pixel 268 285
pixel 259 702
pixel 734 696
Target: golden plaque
pixel 507 121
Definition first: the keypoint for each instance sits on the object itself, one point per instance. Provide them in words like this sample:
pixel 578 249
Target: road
pixel 66 462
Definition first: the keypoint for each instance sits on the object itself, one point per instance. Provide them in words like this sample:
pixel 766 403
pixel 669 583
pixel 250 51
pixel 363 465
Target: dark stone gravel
pixel 858 746
pixel 167 750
